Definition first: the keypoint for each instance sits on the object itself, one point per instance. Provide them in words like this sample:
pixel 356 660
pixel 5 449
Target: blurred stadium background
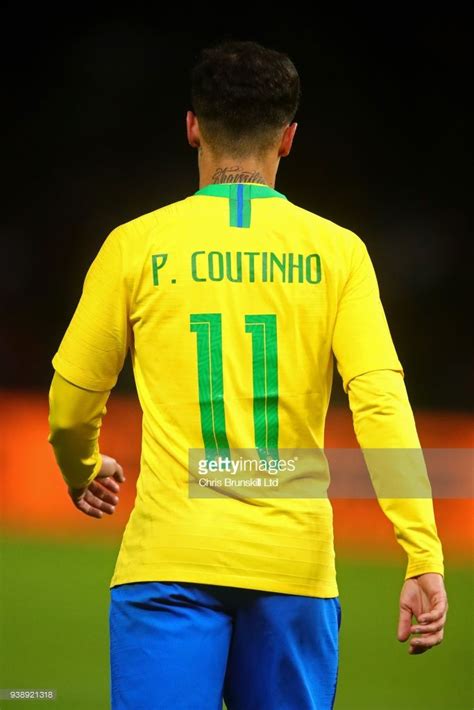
pixel 97 138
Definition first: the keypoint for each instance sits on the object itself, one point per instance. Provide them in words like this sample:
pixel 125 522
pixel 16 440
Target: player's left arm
pixel 385 428
pixel 87 364
pixel 386 431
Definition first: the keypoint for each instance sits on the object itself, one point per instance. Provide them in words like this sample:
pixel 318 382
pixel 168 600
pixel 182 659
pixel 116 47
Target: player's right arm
pixel 385 429
pixel 75 418
pixel 87 364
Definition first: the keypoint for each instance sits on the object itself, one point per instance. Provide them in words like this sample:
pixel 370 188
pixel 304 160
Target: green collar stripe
pixel 255 190
pixel 240 196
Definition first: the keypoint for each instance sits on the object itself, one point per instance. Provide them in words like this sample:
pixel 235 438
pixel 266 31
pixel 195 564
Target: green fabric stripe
pixel 247 207
pixel 232 194
pixel 233 205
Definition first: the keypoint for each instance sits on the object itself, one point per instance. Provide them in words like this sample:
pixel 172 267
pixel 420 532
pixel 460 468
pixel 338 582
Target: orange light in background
pixel 33 495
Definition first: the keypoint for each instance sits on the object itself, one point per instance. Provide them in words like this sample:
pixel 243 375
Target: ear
pixel 287 140
pixel 192 130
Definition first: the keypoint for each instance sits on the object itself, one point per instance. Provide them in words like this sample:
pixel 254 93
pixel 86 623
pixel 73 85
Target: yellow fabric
pixel 383 421
pixel 282 545
pixel 75 417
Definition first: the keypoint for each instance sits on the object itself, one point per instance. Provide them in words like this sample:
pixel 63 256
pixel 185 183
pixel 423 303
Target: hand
pixel 425 598
pixel 101 495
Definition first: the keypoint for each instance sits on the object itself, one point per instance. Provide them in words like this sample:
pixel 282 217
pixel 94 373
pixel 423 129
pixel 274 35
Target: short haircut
pixel 243 95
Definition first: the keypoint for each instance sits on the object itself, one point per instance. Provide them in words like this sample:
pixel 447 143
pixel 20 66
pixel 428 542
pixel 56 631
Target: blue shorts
pixel 186 646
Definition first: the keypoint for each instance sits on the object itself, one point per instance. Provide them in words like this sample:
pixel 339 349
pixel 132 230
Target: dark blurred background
pixel 96 136
pixel 94 110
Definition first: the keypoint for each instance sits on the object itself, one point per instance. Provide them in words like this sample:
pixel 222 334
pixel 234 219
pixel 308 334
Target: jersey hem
pixel 169 574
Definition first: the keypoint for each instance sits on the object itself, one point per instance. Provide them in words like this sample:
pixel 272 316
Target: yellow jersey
pixel 233 303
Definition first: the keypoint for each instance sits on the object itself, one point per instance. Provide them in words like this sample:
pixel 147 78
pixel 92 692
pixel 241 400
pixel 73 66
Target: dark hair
pixel 242 94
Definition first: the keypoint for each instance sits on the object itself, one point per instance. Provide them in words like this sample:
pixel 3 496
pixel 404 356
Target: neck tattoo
pixel 237 174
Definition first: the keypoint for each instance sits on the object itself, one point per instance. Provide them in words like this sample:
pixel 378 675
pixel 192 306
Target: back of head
pixel 243 96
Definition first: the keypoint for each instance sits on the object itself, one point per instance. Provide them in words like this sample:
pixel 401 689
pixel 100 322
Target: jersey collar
pixel 254 189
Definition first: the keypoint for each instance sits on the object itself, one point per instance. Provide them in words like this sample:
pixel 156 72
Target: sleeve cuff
pixel 414 569
pixel 91 477
pixel 80 377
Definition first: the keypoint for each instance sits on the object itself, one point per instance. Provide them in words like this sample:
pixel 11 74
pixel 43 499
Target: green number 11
pixel 263 329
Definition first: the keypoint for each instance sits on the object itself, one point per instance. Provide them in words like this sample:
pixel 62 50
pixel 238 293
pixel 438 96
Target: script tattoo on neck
pixel 237 174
